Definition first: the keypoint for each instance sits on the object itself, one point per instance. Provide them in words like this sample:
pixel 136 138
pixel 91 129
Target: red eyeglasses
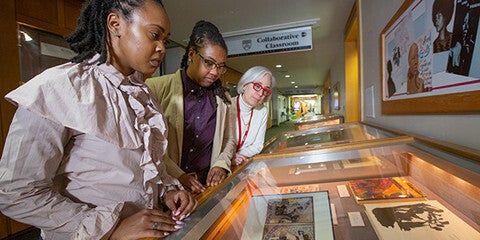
pixel 258 87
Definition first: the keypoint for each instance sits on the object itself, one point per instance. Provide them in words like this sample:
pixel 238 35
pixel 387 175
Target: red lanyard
pixel 241 140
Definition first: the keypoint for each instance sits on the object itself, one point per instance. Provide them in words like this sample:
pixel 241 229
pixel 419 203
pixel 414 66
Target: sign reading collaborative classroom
pixel 286 40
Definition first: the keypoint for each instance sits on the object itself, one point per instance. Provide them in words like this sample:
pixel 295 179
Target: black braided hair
pixel 203 32
pixel 90 36
pixel 207 33
pixel 445 7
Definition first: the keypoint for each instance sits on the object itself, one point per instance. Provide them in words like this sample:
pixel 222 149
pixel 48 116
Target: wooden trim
pixel 466 102
pixel 463 151
pixel 203 197
pixel 224 221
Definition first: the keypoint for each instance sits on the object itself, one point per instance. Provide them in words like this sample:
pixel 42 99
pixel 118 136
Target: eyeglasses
pixel 209 64
pixel 258 87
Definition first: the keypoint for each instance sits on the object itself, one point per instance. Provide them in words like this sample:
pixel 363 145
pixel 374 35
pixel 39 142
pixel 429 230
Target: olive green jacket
pixel 168 91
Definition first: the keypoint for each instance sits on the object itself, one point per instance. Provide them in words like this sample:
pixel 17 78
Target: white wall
pixel 459 129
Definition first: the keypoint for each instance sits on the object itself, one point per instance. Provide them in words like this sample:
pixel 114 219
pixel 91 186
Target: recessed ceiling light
pixel 278 66
pixel 287 76
pixel 296 86
pixel 293 82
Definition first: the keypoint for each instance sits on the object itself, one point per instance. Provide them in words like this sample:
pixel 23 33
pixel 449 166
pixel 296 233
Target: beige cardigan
pixel 168 91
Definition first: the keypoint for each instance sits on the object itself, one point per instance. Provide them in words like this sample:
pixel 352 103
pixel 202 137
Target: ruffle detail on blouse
pixel 150 123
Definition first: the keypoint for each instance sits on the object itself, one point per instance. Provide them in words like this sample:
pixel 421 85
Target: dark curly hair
pixel 445 7
pixel 90 36
pixel 202 33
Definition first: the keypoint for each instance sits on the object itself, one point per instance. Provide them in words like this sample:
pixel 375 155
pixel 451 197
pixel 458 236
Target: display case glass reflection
pixel 316 121
pixel 452 181
pixel 322 137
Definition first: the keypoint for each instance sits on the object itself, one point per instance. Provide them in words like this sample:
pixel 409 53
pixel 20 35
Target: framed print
pixel 431 57
pixel 289 216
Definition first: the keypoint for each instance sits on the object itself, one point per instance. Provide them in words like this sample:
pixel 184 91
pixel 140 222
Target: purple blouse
pixel 199 127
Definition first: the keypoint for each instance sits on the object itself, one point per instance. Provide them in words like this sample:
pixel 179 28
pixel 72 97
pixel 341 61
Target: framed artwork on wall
pixel 430 56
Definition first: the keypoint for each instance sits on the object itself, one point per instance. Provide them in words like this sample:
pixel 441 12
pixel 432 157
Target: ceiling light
pixel 296 86
pixel 287 76
pixel 26 36
pixel 278 66
pixel 293 82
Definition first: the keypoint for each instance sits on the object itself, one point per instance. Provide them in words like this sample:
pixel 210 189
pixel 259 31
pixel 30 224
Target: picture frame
pixel 304 215
pixel 423 74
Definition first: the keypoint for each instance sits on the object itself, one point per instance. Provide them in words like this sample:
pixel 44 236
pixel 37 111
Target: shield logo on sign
pixel 247 44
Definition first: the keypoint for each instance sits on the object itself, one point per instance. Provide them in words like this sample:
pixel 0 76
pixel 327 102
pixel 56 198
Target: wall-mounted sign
pixel 294 39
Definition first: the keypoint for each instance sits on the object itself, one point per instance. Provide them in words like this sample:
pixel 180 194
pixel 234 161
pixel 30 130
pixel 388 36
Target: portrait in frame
pixel 430 58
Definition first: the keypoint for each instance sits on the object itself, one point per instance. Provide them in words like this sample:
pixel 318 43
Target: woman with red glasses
pixel 197 107
pixel 254 89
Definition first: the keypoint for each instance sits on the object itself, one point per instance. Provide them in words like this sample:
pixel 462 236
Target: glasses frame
pixel 210 64
pixel 257 86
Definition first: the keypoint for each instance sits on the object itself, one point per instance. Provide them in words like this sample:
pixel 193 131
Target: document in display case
pixel 376 190
pixel 289 216
pixel 418 220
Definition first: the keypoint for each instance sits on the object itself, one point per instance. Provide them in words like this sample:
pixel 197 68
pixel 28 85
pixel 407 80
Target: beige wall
pixel 462 129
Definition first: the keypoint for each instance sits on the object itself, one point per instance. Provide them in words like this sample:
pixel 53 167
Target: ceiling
pixel 308 69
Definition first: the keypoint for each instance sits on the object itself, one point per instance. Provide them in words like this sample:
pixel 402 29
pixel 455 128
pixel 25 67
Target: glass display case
pixel 324 137
pixel 415 191
pixel 317 120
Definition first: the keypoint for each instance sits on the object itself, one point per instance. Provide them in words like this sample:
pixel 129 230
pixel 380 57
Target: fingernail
pixel 165 233
pixel 176 213
pixel 178 226
pixel 179 222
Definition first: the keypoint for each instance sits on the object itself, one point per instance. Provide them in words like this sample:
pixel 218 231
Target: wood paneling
pixel 9 69
pixel 55 16
pixel 3 226
pixel 72 9
pixel 45 11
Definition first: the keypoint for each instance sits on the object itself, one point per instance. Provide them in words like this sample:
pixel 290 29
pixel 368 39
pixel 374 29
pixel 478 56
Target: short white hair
pixel 252 75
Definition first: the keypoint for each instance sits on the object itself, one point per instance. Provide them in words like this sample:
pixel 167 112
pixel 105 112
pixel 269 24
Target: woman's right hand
pixel 142 225
pixel 191 182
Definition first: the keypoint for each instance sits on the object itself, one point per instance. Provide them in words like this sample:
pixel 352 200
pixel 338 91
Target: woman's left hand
pixel 181 203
